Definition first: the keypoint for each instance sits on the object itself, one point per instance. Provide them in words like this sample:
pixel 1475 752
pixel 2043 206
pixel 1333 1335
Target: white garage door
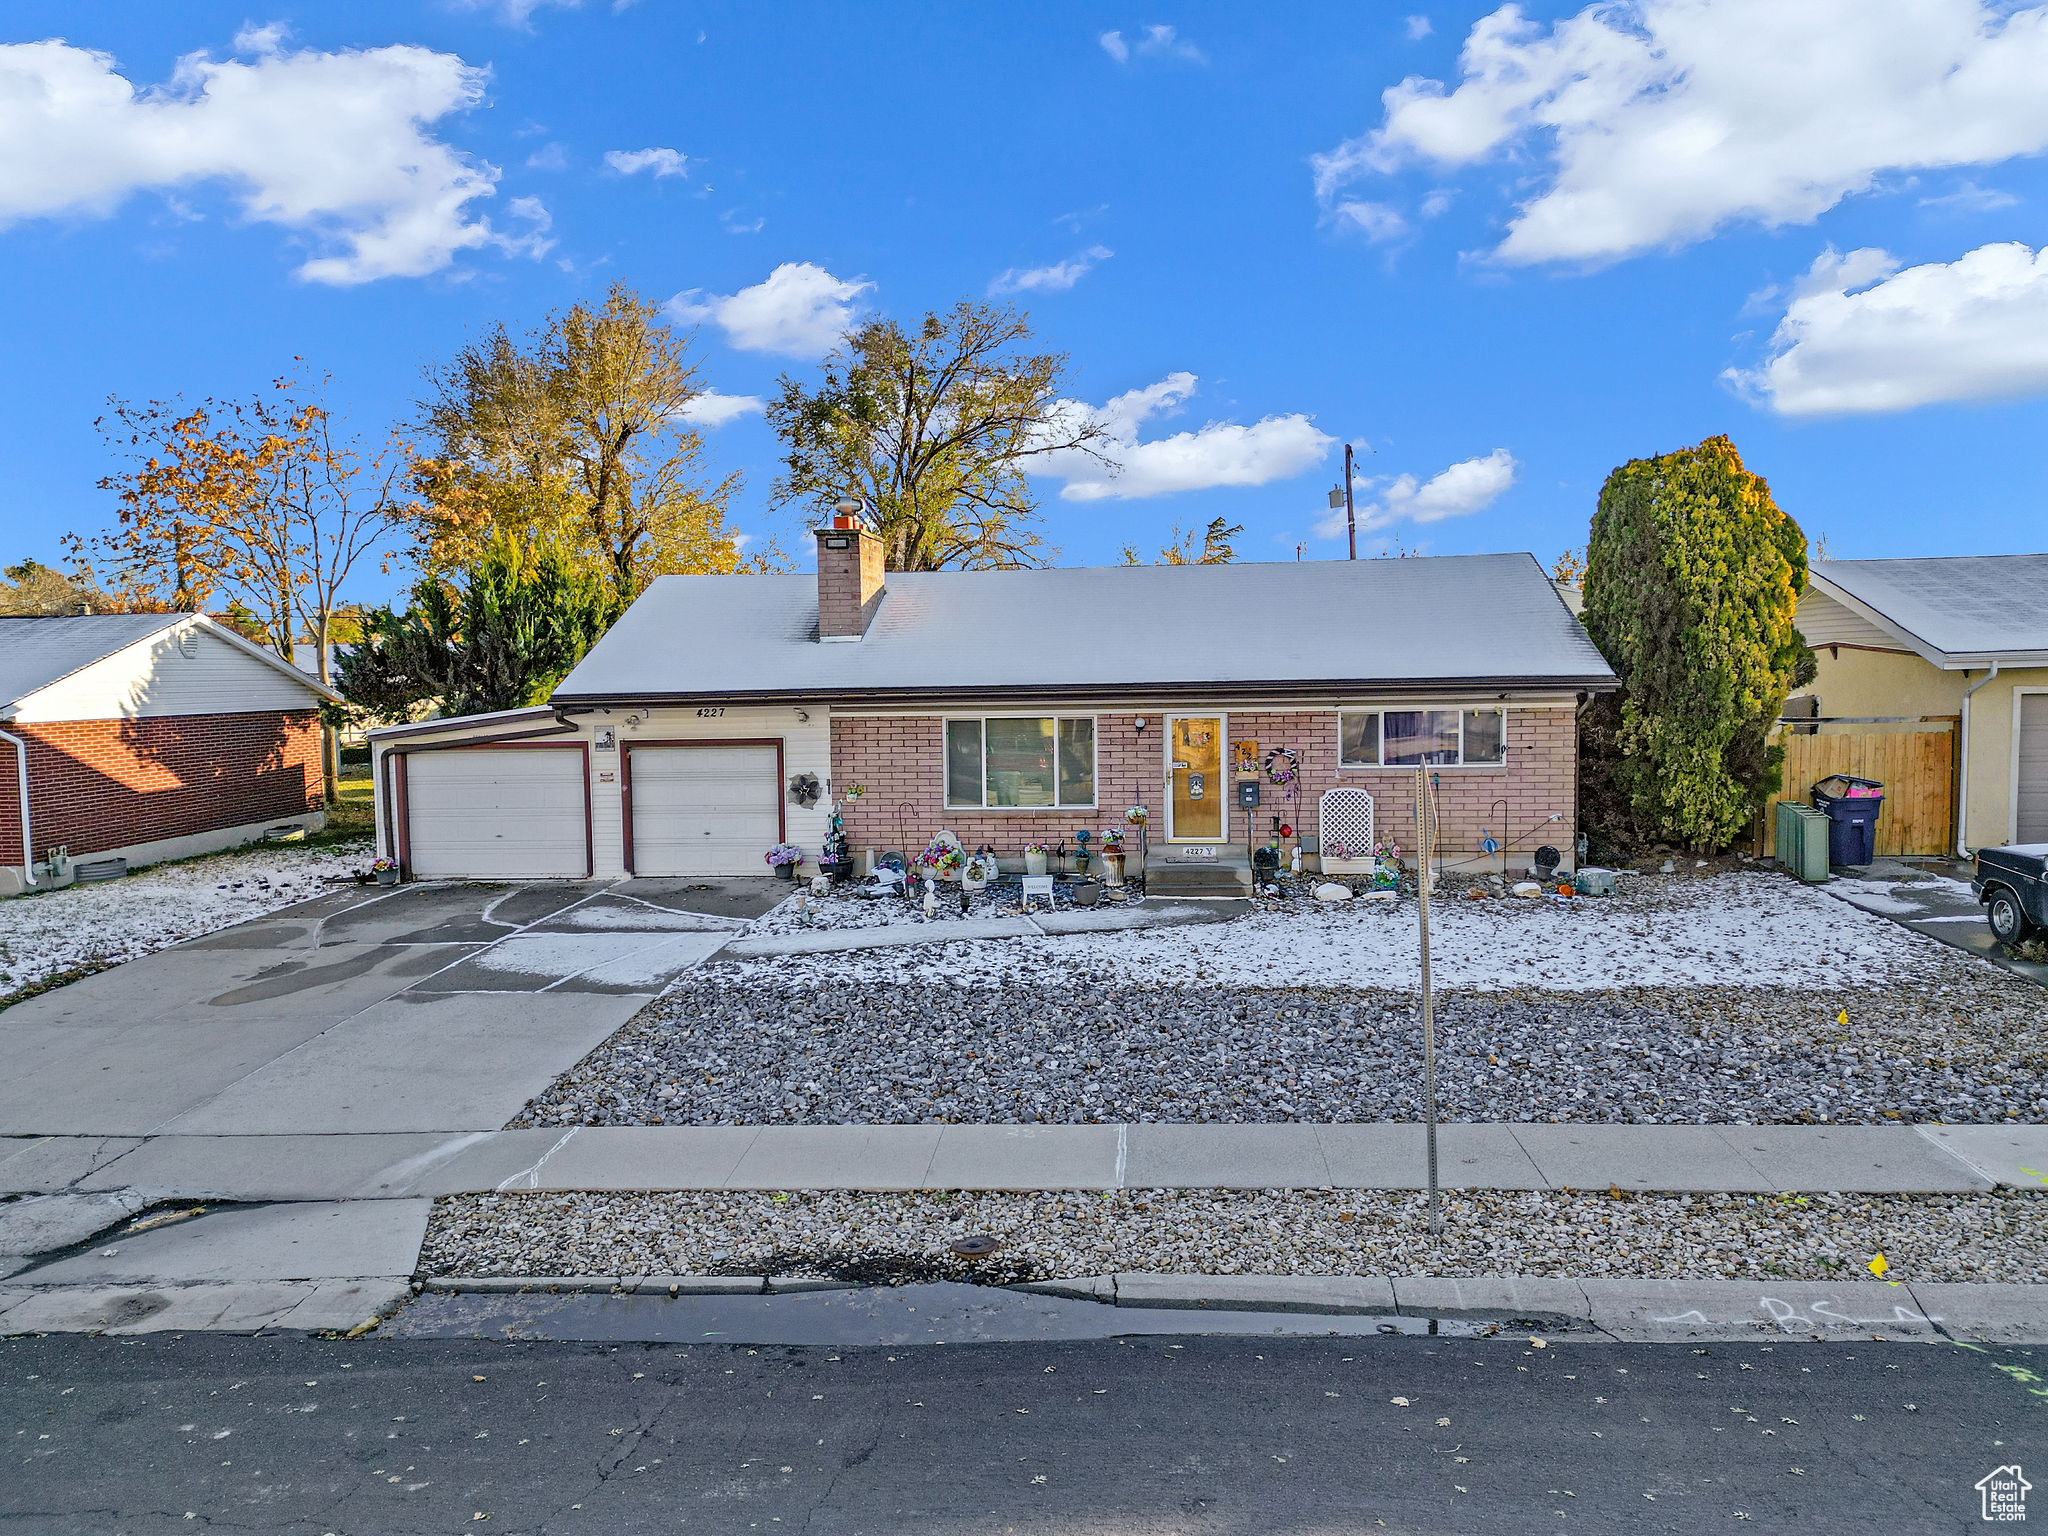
pixel 2033 768
pixel 478 814
pixel 704 810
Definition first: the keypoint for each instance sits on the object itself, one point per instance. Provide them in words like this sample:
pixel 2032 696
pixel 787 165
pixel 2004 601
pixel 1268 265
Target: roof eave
pixel 1332 688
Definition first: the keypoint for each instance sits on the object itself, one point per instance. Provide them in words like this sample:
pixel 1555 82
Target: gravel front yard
pixel 1994 1237
pixel 1741 928
pixel 89 927
pixel 789 1052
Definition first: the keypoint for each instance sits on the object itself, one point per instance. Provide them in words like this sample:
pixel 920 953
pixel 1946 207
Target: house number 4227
pixel 710 714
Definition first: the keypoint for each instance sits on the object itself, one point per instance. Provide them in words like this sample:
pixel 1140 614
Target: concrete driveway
pixel 425 1008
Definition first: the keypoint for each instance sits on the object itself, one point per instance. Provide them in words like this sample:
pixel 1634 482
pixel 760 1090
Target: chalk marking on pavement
pixel 403 1175
pixel 532 1175
pixel 1123 1149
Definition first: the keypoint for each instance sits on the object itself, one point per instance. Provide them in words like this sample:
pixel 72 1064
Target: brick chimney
pixel 849 578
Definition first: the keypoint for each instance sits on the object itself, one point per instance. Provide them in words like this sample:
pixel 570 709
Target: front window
pixel 1008 762
pixel 1409 738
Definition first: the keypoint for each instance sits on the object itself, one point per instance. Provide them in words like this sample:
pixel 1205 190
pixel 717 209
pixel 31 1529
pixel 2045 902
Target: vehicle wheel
pixel 2009 923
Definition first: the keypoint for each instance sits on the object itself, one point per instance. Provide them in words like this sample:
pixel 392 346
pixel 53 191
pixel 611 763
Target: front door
pixel 1194 764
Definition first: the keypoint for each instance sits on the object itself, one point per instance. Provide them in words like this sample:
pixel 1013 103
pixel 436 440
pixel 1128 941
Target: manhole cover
pixel 975 1247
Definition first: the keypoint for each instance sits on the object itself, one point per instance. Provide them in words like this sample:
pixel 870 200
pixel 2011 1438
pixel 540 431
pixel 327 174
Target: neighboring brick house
pixel 725 713
pixel 147 737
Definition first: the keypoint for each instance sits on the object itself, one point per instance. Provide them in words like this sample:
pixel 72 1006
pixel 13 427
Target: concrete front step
pixel 1171 875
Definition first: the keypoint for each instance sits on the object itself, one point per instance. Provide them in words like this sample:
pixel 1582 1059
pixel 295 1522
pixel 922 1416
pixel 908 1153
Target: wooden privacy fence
pixel 1916 767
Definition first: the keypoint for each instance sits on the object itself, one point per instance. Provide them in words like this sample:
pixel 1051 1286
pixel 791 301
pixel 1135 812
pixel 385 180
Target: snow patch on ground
pixel 48 933
pixel 1739 929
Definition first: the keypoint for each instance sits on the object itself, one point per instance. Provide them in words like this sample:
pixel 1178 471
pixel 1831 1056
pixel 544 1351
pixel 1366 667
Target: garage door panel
pixel 710 810
pixel 479 814
pixel 2033 768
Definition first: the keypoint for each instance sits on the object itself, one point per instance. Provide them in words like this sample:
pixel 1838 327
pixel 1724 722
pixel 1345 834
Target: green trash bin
pixel 1803 841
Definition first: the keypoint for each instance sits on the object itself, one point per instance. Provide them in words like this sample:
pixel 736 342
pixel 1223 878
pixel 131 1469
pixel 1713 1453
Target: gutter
pixel 28 842
pixel 1963 767
pixel 1211 689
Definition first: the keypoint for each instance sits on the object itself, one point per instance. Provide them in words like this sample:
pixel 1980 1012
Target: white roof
pixel 1330 625
pixel 1968 608
pixel 36 652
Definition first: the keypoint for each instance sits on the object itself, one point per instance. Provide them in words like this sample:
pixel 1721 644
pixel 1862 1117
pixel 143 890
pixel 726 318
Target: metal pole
pixel 1425 840
pixel 1350 517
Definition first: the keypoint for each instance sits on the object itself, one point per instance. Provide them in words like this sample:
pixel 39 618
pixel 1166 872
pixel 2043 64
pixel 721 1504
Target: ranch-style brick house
pixel 144 737
pixel 724 714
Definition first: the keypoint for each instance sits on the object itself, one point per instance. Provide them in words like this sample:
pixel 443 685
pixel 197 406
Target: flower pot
pixel 1113 868
pixel 785 871
pixel 387 877
pixel 1034 861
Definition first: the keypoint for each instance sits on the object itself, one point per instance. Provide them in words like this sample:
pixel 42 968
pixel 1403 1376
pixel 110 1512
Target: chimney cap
pixel 853 511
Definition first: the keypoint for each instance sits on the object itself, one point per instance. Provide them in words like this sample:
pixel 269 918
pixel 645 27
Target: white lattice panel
pixel 1345 816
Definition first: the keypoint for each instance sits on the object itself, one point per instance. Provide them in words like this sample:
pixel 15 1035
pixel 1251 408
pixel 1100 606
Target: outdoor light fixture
pixel 1141 723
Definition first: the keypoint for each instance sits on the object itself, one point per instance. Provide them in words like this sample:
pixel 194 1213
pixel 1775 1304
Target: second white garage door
pixel 2032 768
pixel 710 810
pixel 503 814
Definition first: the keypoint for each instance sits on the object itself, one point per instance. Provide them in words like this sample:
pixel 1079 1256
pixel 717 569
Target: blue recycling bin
pixel 1852 818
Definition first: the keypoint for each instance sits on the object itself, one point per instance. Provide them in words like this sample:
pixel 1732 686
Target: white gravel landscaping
pixel 1726 929
pixel 88 927
pixel 1970 1238
pixel 1782 1006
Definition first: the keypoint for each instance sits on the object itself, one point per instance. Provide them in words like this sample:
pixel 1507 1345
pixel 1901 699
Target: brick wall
pixel 900 761
pixel 100 784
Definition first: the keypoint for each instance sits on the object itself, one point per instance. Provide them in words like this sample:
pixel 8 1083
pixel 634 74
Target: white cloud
pixel 549 157
pixel 1057 278
pixel 662 162
pixel 798 310
pixel 712 409
pixel 1418 28
pixel 1664 120
pixel 1376 221
pixel 332 146
pixel 1469 486
pixel 1153 43
pixel 1218 453
pixel 1971 198
pixel 1862 336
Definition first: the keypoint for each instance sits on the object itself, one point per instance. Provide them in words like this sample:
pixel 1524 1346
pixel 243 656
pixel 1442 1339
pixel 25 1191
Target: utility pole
pixel 1425 847
pixel 1350 513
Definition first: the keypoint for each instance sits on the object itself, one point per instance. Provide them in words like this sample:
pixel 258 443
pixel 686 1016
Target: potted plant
pixel 976 873
pixel 1034 857
pixel 1113 855
pixel 783 858
pixel 385 871
pixel 943 856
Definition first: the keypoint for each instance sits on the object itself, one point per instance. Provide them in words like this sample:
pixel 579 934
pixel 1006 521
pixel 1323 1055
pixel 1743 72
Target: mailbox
pixel 1248 794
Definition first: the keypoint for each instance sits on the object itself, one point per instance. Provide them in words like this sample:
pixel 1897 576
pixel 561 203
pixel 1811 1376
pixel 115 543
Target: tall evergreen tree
pixel 1692 578
pixel 521 619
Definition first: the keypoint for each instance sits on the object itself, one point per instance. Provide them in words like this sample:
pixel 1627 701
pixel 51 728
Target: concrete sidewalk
pixel 388 1166
pixel 947 930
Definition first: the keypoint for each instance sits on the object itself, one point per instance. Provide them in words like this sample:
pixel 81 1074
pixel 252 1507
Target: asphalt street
pixel 291 1434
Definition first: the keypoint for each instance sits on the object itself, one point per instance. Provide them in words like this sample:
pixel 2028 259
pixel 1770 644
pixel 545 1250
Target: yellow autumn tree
pixel 577 434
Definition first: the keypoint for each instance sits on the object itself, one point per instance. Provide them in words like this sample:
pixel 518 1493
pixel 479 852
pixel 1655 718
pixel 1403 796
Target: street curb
pixel 631 1285
pixel 1624 1310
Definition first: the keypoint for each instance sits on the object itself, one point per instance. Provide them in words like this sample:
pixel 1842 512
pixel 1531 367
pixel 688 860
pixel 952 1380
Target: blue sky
pixel 1597 236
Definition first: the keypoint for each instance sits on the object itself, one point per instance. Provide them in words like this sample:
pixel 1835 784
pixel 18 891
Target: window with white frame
pixel 1408 738
pixel 1021 762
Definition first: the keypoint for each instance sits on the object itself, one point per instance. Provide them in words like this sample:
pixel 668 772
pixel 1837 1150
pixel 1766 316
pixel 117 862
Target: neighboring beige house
pixel 1967 637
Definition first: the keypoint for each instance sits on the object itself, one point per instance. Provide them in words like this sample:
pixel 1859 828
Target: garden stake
pixel 1425 845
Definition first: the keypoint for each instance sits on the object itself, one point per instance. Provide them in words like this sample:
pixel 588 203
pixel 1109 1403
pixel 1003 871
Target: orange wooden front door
pixel 1194 760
